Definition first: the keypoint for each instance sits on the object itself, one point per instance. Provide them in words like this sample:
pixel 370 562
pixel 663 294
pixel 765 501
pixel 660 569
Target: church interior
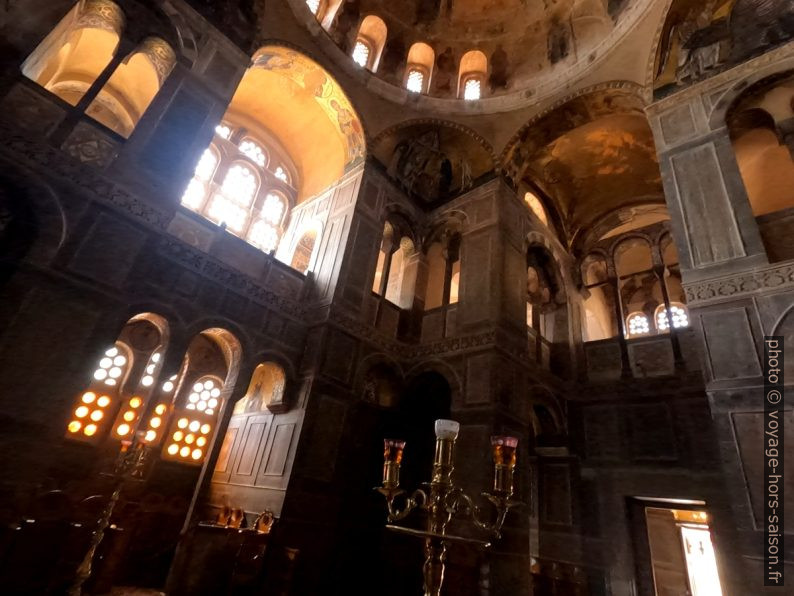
pixel 359 297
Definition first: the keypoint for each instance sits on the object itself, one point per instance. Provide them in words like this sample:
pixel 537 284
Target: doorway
pixel 674 549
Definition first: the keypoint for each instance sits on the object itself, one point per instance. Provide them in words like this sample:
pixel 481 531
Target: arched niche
pixel 265 391
pixel 419 67
pixel 297 101
pixel 761 126
pixel 121 383
pixel 472 74
pixel 186 407
pixel 382 385
pixel 79 49
pixel 372 34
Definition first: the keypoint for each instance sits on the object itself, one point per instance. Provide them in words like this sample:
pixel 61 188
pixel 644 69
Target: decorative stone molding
pixel 58 164
pixel 160 54
pixel 406 351
pixel 101 14
pixel 741 285
pixel 229 278
pixel 711 89
pixel 91 146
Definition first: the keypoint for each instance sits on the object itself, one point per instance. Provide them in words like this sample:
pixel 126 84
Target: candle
pixel 504 459
pixel 392 456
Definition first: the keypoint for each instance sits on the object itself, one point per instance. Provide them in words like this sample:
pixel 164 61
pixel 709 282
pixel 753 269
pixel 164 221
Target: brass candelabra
pixel 442 500
pixel 129 464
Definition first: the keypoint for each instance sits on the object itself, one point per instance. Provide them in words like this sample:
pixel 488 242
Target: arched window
pixel 281 174
pixel 419 67
pixel 369 43
pixel 239 191
pixel 254 151
pixel 121 381
pixel 471 75
pixel 193 400
pixel 678 315
pixel 71 59
pixel 637 323
pixel 536 206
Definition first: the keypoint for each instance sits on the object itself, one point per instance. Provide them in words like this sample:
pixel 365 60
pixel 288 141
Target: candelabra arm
pixel 417 499
pixel 464 504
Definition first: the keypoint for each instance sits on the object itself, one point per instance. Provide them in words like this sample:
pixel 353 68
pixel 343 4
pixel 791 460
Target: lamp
pixel 442 500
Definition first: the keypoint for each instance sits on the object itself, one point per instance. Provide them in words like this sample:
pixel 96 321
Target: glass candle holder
pixel 392 456
pixel 446 434
pixel 504 459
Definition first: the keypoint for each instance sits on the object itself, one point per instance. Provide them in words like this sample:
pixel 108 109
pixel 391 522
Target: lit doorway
pixel 682 552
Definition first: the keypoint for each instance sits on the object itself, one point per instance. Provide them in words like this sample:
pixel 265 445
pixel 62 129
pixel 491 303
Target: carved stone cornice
pixel 405 350
pixel 211 268
pixel 53 163
pixel 740 285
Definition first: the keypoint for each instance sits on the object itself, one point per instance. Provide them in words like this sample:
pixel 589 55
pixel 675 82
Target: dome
pixel 523 48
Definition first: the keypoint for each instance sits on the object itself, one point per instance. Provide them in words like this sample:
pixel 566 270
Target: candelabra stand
pixel 442 500
pixel 129 464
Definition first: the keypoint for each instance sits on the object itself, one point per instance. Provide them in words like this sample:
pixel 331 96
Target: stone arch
pixel 284 89
pixel 235 342
pixel 761 76
pixel 36 225
pixel 479 139
pixel 587 105
pixel 379 380
pixel 535 239
pixel 541 395
pixel 402 221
